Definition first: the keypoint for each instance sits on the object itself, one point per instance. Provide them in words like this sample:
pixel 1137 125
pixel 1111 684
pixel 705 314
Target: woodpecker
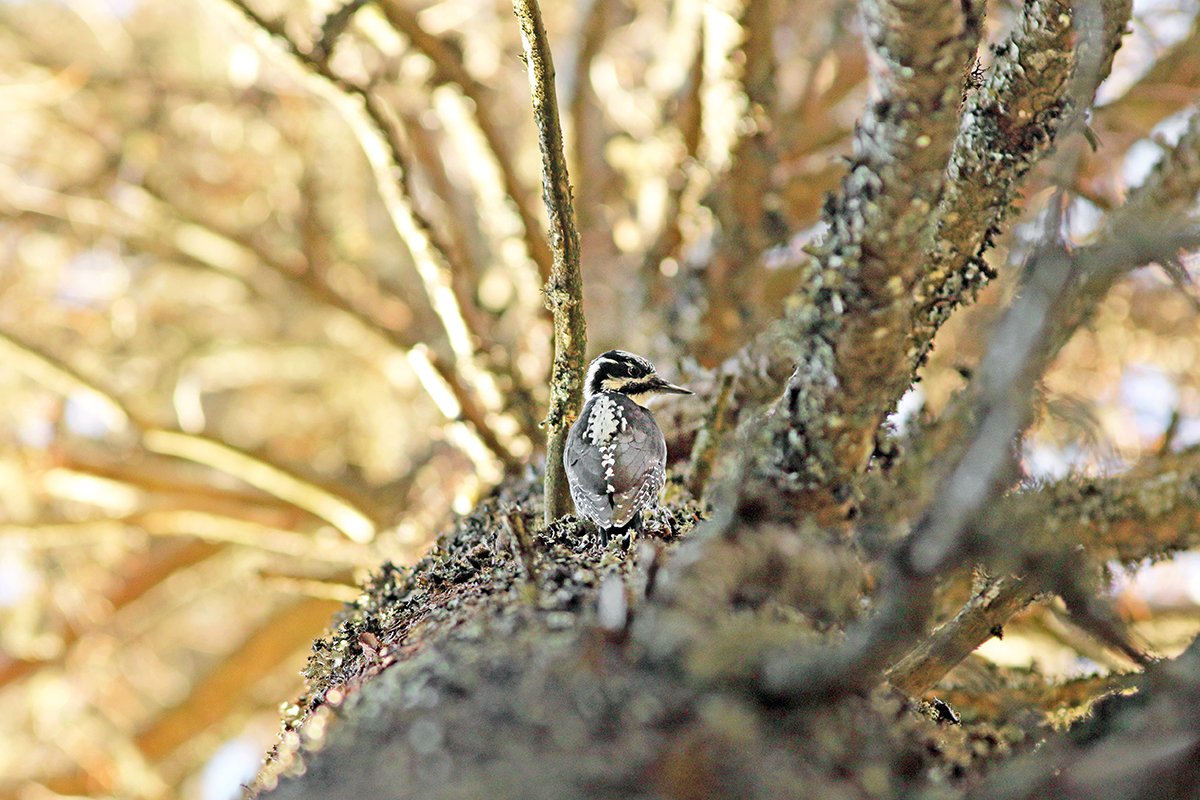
pixel 615 455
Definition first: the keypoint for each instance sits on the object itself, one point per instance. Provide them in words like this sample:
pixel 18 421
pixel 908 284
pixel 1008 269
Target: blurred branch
pixel 686 118
pixel 226 687
pixel 564 291
pixel 310 588
pixel 1042 694
pixel 145 570
pixel 313 284
pixel 1152 225
pixel 744 195
pixel 229 261
pixel 1149 512
pixel 1169 86
pixel 589 134
pixel 447 58
pixel 371 123
pixel 458 215
pixel 333 27
pixel 258 471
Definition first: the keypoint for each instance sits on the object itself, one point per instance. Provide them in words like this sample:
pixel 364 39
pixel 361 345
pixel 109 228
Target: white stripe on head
pixel 609 361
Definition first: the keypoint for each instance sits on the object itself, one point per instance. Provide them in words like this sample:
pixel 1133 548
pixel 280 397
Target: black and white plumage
pixel 615 455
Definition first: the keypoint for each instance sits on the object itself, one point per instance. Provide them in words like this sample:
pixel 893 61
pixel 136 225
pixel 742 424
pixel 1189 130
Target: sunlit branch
pixel 448 61
pixel 564 291
pixel 316 287
pixel 310 588
pixel 494 217
pixel 257 471
pixel 270 479
pixel 370 121
pixel 980 619
pixel 202 243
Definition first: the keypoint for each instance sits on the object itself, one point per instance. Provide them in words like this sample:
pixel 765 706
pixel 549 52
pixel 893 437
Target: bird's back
pixel 615 458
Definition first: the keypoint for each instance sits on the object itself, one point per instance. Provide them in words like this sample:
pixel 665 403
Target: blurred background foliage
pixel 234 378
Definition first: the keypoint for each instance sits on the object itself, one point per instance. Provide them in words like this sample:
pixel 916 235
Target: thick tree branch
pixel 1009 124
pixel 848 324
pixel 846 345
pixel 564 291
pixel 981 468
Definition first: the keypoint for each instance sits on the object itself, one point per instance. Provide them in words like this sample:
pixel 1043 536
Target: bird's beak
pixel 669 388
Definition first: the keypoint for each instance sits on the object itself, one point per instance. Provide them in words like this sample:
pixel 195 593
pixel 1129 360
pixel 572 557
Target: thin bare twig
pixel 564 291
pixel 448 60
pixel 371 123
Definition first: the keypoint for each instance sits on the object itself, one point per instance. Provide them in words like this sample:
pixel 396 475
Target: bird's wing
pixel 639 466
pixel 585 475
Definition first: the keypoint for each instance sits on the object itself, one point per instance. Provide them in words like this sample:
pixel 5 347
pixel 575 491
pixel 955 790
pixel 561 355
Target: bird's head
pixel 627 374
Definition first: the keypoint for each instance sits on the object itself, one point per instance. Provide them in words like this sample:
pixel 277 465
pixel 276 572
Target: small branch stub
pixel 564 290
